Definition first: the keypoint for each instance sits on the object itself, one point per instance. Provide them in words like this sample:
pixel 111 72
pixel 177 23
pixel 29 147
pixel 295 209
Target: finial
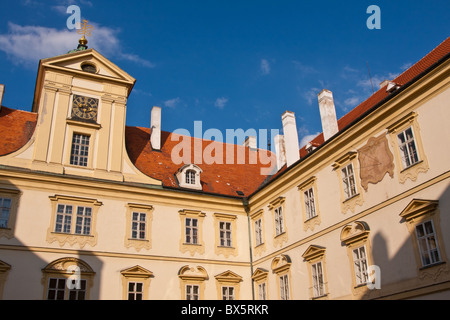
pixel 85 30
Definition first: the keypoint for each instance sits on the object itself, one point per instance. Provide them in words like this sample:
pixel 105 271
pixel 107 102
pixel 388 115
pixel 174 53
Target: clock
pixel 84 108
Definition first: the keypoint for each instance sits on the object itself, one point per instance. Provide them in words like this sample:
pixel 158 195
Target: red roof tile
pixel 16 128
pixel 222 178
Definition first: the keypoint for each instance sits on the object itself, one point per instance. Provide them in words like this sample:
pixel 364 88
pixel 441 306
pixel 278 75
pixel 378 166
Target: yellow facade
pixel 269 245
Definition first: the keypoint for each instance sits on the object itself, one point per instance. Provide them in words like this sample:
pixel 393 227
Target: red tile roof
pixel 222 178
pixel 16 128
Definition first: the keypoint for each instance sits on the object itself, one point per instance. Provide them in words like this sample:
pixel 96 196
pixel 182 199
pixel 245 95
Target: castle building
pixel 91 208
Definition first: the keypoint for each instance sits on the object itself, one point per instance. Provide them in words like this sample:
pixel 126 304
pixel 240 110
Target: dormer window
pixel 189 176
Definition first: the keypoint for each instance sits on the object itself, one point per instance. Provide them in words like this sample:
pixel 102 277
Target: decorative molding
pixel 199 247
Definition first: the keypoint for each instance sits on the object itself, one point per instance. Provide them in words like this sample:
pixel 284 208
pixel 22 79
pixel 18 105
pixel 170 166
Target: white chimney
pixel 2 90
pixel 280 150
pixel 327 114
pixel 155 134
pixel 250 142
pixel 290 137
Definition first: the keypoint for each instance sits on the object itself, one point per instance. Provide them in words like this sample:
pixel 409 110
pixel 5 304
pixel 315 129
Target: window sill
pixel 432 265
pixel 351 198
pixel 280 234
pixel 411 166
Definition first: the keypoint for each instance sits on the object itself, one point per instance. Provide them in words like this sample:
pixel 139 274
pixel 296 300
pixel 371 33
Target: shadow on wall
pixel 29 273
pixel 431 278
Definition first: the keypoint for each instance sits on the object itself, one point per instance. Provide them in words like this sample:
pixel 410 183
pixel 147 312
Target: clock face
pixel 84 108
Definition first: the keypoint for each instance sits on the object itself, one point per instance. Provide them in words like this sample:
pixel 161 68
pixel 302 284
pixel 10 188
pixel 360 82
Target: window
pixel 281 266
pixel 135 290
pixel 225 234
pixel 259 278
pixel 284 287
pixel 192 292
pixel 138 225
pixel 227 293
pixel 279 221
pixel 258 232
pixel 315 256
pixel 135 283
pixel 191 239
pixel 409 153
pixel 192 282
pixel 348 179
pixel 190 177
pixel 61 289
pixel 228 285
pixel 279 224
pixel 356 238
pixel 360 265
pixel 64 219
pixel 73 220
pixel 262 291
pixel 80 150
pixel 5 210
pixel 408 150
pixel 428 246
pixel 191 230
pixel 310 207
pixel 67 279
pixel 317 277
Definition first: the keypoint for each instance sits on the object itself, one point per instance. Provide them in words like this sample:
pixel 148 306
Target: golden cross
pixel 86 29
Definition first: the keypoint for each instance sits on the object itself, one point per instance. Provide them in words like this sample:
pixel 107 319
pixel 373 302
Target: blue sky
pixel 231 64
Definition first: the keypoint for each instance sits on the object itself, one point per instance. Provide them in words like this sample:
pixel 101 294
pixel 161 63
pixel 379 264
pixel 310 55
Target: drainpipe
pixel 247 210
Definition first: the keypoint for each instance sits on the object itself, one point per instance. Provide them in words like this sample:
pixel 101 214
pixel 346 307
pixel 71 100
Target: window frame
pixel 277 207
pixel 259 247
pixel 79 159
pixel 14 196
pixel 230 281
pixel 58 201
pixel 309 222
pixel 192 248
pixel 138 243
pixel 231 221
pixel 313 256
pixel 401 124
pixel 136 274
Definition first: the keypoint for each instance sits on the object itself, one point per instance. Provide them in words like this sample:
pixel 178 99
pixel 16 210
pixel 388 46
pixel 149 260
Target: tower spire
pixel 86 31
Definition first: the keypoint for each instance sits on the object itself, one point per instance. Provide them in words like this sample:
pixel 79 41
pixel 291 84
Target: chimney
pixel 290 137
pixel 155 123
pixel 250 142
pixel 280 151
pixel 2 91
pixel 327 114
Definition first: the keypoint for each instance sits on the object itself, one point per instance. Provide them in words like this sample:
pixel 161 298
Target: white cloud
pixel 28 44
pixel 221 102
pixel 172 103
pixel 303 68
pixel 265 66
pixel 311 95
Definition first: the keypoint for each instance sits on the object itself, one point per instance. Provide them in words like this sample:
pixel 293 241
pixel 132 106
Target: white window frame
pixel 65 290
pixel 191 231
pixel 262 291
pixel 138 225
pixel 258 232
pixel 225 235
pixel 428 244
pixel 190 177
pixel 349 181
pixel 65 215
pixel 317 279
pixel 79 154
pixel 284 287
pixel 360 265
pixel 228 293
pixel 279 220
pixel 408 148
pixel 192 292
pixel 310 206
pixel 135 292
